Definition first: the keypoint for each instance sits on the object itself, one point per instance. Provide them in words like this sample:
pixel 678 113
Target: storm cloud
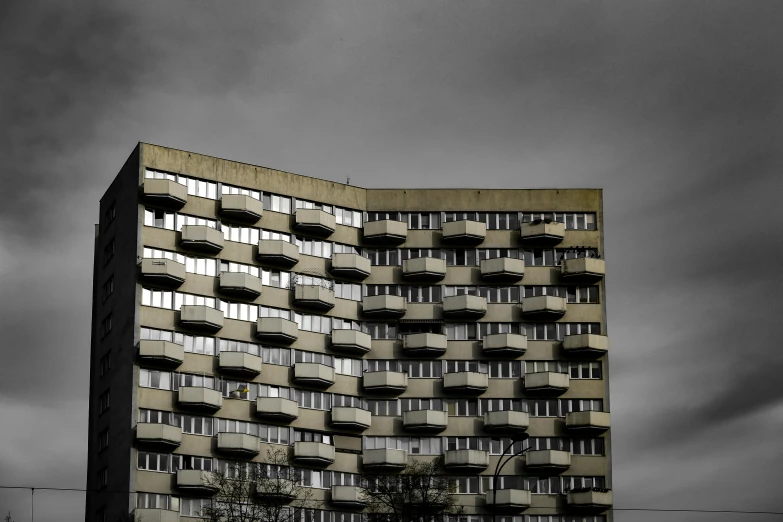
pixel 673 108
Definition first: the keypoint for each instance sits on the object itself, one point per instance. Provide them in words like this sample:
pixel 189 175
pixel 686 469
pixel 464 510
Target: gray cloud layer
pixel 674 108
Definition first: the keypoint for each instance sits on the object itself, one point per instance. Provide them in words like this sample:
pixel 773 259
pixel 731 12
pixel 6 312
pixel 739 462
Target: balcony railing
pixel 351 341
pixel 586 344
pixel 466 460
pixel 199 398
pixel 347 496
pixel 277 409
pixel 164 272
pixel 240 363
pixel 503 269
pixel 506 422
pixel 165 193
pixel 201 317
pixel 315 297
pixel 195 481
pixel 424 269
pixel 277 329
pixel 464 306
pixel 592 499
pixel 163 353
pixel 159 434
pixel 201 238
pixel 548 460
pixel 315 221
pixel 384 306
pixel 350 418
pixel 278 252
pixel 552 383
pixel 428 344
pixel 240 284
pixel 540 232
pixel 508 500
pixel 468 383
pixel 315 453
pixel 504 344
pixel 464 231
pixel 432 421
pixel 313 374
pixel 582 269
pixel 385 459
pixel 239 444
pixel 385 382
pixel 352 266
pixel 386 231
pixel 587 421
pixel 544 307
pixel 241 207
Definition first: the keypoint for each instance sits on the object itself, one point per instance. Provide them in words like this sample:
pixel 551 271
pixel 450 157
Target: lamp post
pixel 499 467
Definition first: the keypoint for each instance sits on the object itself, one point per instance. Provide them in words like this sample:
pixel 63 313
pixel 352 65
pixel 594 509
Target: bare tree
pixel 270 491
pixel 420 493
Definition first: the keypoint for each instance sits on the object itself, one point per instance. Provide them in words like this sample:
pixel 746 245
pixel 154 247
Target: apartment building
pixel 238 308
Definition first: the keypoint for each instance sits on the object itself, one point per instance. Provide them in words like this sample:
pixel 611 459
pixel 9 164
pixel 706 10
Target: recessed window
pixel 103 440
pixel 109 215
pixel 108 288
pixel 108 251
pixel 103 477
pixel 105 364
pixel 103 402
pixel 106 326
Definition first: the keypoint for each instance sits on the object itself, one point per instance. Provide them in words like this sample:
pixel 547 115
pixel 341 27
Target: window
pixel 346 366
pixel 277 203
pixel 377 365
pixel 459 257
pixel 414 445
pixel 313 357
pixel 570 405
pixel 265 390
pixel 241 234
pixel 159 417
pixel 313 400
pixel 108 251
pixel 109 215
pixel 274 355
pixel 585 370
pixel 100 515
pixel 466 366
pixel 573 294
pixel 312 436
pixel 349 401
pixel 462 407
pixel 384 407
pixel 105 363
pixel 381 330
pixel 544 408
pixel 494 253
pixel 416 253
pixel 422 294
pixel 148 461
pixel 505 369
pixel 193 265
pixel 546 366
pixel 350 291
pixel 155 379
pixel 423 220
pixel 423 369
pixel 103 440
pixel 421 404
pixel 556 331
pixel 103 402
pixel 572 221
pixel 192 507
pixel 108 288
pixel 106 326
pixel 460 331
pixel 593 446
pixel 474 443
pixel 466 485
pixel 103 477
pixel 153 501
pixel 381 216
pixel 500 294
pixel 194 425
pixel 389 257
pixel 228 189
pixel 486 405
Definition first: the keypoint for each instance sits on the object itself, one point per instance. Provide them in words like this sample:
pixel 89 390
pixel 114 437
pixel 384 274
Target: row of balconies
pixel 353 497
pixel 315 221
pixel 353 419
pixel 284 331
pixel 353 266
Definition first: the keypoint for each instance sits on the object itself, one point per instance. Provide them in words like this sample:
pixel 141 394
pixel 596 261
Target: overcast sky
pixel 672 107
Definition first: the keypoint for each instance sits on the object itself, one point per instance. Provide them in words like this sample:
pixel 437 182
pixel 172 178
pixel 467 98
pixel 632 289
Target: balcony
pixel 464 231
pixel 430 421
pixel 385 382
pixel 594 500
pixel 201 238
pixel 506 422
pixel 506 269
pixel 164 272
pixel 385 459
pixel 239 444
pixel 467 383
pixel 551 383
pixel 155 515
pixel 351 266
pixel 278 252
pixel 276 329
pixel 504 344
pixel 163 435
pixel 315 221
pixel 163 353
pixel 384 306
pixel 544 307
pixel 582 270
pixel 314 453
pixel 196 481
pixel 427 344
pixel 540 232
pixel 277 409
pixel 201 317
pixel 240 207
pixel 424 269
pixel 240 284
pixel 386 231
pixel 274 493
pixel 240 363
pixel 586 344
pixel 313 374
pixel 198 398
pixel 349 418
pixel 347 496
pixel 548 460
pixel 165 193
pixel 315 297
pixel 466 460
pixel 351 341
pixel 508 500
pixel 587 421
pixel 469 307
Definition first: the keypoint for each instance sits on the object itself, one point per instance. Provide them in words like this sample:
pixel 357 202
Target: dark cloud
pixel 671 107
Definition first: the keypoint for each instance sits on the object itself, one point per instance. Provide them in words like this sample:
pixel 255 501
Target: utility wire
pixel 732 511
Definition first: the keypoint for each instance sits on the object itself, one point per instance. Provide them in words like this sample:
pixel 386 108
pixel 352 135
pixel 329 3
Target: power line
pixel 727 511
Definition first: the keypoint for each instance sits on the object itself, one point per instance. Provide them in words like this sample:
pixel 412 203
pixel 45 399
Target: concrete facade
pixel 168 326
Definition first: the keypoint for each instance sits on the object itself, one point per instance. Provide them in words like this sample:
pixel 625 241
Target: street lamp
pixel 499 467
